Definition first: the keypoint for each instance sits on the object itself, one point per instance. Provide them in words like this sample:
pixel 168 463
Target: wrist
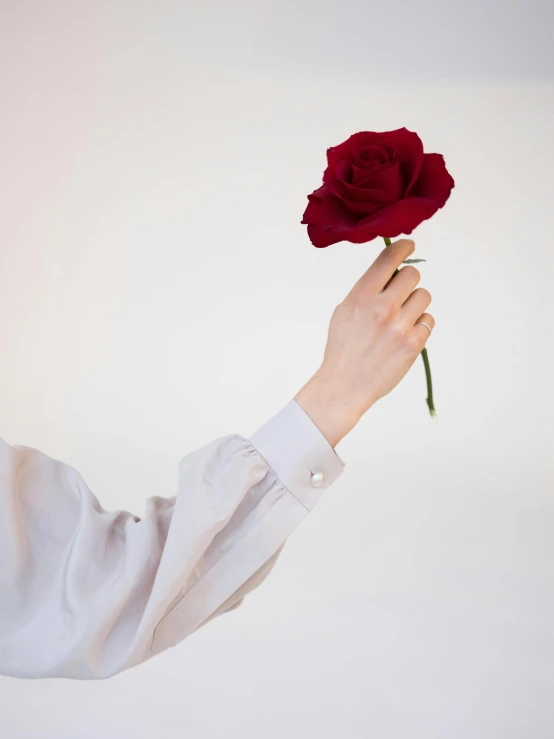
pixel 328 407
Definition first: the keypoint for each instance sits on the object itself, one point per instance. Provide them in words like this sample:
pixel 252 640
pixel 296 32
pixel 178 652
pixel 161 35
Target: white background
pixel 157 291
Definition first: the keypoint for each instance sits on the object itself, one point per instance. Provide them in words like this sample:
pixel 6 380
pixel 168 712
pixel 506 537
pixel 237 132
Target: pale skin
pixel 373 341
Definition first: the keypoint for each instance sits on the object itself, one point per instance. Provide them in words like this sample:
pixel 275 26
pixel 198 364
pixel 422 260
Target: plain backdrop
pixel 157 291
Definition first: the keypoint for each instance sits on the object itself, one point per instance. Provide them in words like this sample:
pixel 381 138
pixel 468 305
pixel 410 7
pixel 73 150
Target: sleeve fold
pixel 87 593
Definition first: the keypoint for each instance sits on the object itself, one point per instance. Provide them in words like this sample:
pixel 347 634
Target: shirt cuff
pixel 298 453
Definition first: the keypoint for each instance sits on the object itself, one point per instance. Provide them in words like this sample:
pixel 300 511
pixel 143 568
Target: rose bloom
pixel 376 184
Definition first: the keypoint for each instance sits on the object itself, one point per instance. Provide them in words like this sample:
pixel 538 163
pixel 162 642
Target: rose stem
pixel 425 357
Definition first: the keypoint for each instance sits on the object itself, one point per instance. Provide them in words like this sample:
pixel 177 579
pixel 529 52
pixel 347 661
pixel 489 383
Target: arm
pixel 87 593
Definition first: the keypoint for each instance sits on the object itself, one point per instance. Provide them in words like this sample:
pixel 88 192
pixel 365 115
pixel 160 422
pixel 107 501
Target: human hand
pixel 373 341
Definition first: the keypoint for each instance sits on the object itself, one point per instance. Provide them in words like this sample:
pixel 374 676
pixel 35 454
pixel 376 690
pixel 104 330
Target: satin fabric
pixel 86 593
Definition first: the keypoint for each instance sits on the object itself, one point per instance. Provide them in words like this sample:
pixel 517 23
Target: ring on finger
pixel 422 323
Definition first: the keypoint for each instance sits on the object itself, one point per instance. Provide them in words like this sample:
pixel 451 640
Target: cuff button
pixel 316 480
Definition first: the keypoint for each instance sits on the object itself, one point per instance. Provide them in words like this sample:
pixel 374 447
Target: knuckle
pixel 341 313
pixel 382 311
pixel 354 304
pixel 413 343
pixel 390 260
pixel 345 306
pixel 397 331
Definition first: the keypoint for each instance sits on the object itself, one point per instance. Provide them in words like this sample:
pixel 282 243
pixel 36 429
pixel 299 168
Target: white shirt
pixel 86 593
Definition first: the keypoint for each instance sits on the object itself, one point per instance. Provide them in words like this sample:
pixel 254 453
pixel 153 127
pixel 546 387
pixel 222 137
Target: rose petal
pixel 349 149
pixel 388 181
pixel 359 211
pixel 434 180
pixel 346 150
pixel 376 184
pixel 360 176
pixel 408 149
pixel 322 237
pixel 385 188
pixel 353 194
pixel 325 209
pixel 401 217
pixel 336 174
pixel 371 156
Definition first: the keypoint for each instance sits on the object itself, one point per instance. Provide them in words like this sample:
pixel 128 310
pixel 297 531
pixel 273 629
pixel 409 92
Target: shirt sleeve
pixel 86 593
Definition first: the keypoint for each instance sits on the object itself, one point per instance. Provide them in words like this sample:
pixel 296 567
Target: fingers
pixel 414 306
pixel 376 277
pixel 426 318
pixel 402 285
pixel 419 334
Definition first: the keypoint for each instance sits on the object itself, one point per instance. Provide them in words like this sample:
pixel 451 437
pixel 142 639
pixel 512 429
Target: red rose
pixel 376 184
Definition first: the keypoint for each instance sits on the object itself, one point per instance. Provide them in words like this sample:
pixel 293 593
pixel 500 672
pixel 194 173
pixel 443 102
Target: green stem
pixel 429 398
pixel 425 357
